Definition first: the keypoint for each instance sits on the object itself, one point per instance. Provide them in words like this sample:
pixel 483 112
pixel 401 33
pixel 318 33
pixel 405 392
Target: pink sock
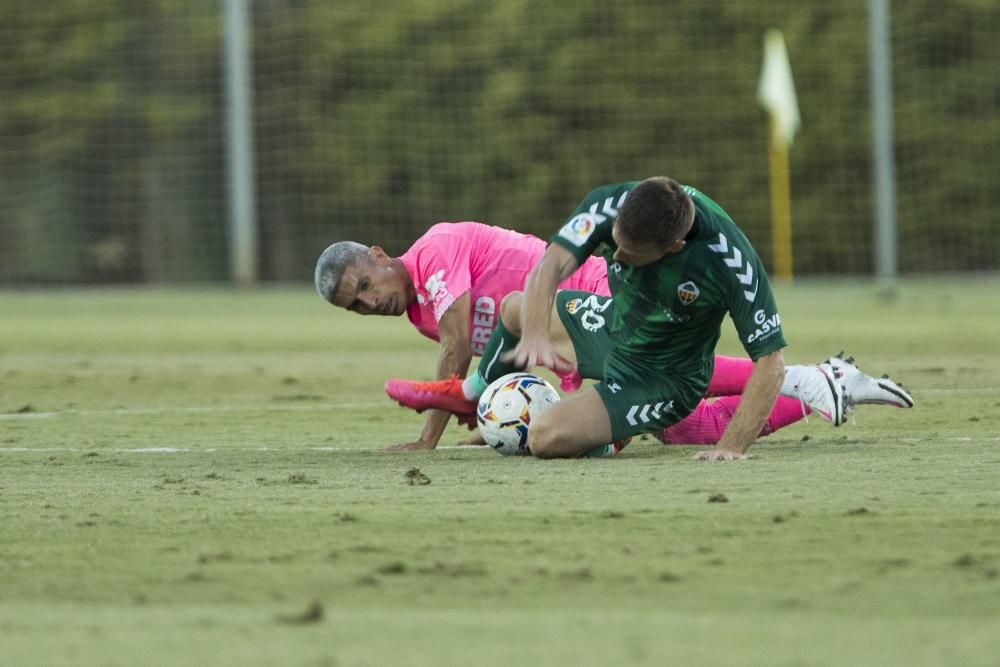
pixel 707 423
pixel 730 376
pixel 785 411
pixel 704 426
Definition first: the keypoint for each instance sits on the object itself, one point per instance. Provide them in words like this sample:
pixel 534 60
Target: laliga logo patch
pixel 573 305
pixel 688 292
pixel 579 228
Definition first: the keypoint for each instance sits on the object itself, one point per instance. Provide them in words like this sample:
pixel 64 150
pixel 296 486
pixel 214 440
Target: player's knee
pixel 544 438
pixel 510 312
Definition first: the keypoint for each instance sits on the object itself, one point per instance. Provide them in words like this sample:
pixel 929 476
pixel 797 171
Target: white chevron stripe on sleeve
pixel 722 246
pixel 736 260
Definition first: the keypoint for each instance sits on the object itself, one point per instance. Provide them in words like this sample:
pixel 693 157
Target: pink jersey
pixel 489 263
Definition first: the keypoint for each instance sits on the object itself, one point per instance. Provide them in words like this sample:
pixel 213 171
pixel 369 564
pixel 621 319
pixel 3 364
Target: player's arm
pixel 454 358
pixel 588 226
pixel 755 314
pixel 535 348
pixel 758 398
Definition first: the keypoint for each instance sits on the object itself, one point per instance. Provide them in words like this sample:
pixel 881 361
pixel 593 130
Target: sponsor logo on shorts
pixel 767 326
pixel 688 292
pixel 614 387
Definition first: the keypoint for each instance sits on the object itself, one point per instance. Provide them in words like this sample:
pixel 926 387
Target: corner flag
pixel 776 93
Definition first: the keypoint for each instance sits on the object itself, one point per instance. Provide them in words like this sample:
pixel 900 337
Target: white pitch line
pixel 210 409
pixel 279 450
pixel 210 450
pixel 128 412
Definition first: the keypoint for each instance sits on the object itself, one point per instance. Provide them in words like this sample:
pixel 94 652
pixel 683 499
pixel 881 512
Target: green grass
pixel 268 501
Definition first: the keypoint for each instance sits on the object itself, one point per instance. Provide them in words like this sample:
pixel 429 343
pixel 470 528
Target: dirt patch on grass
pixel 313 613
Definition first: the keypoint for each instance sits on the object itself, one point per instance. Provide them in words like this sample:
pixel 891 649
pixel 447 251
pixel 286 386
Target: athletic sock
pixel 729 376
pixel 706 424
pixel 492 367
pixel 474 386
pixel 785 411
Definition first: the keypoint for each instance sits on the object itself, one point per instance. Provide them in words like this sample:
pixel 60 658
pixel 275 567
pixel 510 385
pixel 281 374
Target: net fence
pixel 373 120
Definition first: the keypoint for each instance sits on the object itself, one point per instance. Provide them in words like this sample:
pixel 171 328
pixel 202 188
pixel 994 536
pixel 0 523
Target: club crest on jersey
pixel 688 292
pixel 579 228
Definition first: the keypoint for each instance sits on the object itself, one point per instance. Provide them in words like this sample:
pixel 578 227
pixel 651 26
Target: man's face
pixel 640 254
pixel 372 287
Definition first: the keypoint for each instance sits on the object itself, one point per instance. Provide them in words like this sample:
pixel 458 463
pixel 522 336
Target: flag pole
pixel 781 204
pixel 776 93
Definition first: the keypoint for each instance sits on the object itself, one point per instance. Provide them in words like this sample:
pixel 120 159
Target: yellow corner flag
pixel 776 93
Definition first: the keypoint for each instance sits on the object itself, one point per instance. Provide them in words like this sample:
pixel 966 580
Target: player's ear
pixel 676 246
pixel 379 255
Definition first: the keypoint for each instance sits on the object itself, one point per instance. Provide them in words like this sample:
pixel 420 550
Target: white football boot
pixel 862 389
pixel 817 387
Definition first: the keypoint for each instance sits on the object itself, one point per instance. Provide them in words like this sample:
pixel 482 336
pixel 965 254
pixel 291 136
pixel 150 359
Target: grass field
pixel 194 477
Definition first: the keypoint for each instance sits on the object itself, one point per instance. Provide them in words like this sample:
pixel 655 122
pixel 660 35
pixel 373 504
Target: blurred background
pixel 371 120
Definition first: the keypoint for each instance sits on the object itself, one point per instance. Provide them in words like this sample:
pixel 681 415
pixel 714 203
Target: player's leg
pixel 571 427
pixel 460 396
pixel 505 338
pixel 814 386
pixel 731 374
pixel 632 398
pixel 709 420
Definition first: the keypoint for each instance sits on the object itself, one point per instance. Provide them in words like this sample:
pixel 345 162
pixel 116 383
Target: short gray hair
pixel 332 264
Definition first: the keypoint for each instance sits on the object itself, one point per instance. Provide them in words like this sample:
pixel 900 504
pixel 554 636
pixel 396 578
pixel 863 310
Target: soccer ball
pixel 507 408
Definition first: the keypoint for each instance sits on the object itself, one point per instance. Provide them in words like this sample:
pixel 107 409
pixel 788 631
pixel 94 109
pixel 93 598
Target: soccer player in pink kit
pixel 451 283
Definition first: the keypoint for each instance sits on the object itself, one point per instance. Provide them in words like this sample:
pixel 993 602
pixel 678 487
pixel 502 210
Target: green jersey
pixel 668 314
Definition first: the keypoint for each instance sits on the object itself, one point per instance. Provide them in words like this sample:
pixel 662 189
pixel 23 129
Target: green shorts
pixel 638 397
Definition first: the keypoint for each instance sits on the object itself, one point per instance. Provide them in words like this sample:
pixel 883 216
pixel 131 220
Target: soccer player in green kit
pixel 677 264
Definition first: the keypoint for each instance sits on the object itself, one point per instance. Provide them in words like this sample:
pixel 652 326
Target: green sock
pixel 601 452
pixel 491 367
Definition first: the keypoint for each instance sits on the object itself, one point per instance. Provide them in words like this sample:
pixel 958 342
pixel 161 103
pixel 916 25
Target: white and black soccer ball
pixel 507 407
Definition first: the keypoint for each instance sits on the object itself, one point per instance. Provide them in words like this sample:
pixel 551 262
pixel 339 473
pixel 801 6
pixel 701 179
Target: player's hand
pixel 415 446
pixel 472 439
pixel 532 352
pixel 719 454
